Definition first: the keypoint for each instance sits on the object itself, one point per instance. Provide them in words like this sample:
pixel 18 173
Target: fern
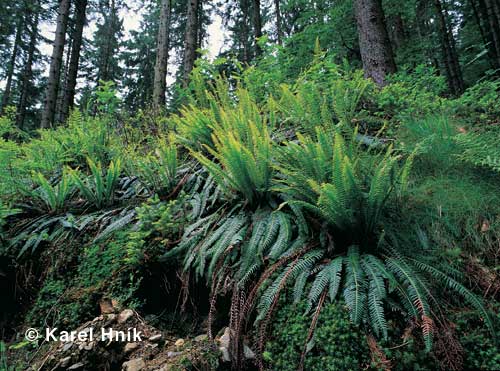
pixel 480 149
pixel 243 163
pixel 99 188
pixel 53 197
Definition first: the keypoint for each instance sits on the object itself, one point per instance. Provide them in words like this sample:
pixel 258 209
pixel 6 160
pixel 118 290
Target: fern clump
pixel 361 257
pixel 99 188
pixel 480 149
pixel 243 162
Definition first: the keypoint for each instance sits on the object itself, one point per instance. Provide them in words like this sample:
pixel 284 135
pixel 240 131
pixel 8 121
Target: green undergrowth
pixel 319 195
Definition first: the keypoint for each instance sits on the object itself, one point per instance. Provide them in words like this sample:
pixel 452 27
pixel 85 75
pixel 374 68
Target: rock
pixel 64 362
pixel 173 354
pixel 152 346
pixel 136 364
pixel 115 304
pixel 225 339
pixel 67 346
pixel 76 366
pixel 225 354
pixel 89 346
pixel 110 319
pixel 86 330
pixel 125 315
pixel 155 338
pixel 106 306
pixel 130 347
pixel 201 338
pixel 247 352
pixel 179 343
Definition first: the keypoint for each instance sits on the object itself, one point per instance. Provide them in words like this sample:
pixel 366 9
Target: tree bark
pixel 450 57
pixel 279 31
pixel 162 45
pixel 12 64
pixel 190 40
pixel 257 26
pixel 375 46
pixel 488 9
pixel 72 73
pixel 398 31
pixel 481 19
pixel 55 65
pixel 28 70
pixel 244 4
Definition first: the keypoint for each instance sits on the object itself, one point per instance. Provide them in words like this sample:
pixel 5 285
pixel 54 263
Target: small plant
pixel 158 170
pixel 99 188
pixel 159 223
pixel 53 197
pixel 480 149
pixel 5 212
pixel 243 161
pixel 106 98
pixel 480 103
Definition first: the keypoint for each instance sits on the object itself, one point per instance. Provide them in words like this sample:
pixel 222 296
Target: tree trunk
pixel 257 26
pixel 279 31
pixel 398 31
pixel 244 5
pixel 375 46
pixel 450 57
pixel 64 75
pixel 488 9
pixel 28 70
pixel 72 73
pixel 485 32
pixel 162 45
pixel 55 65
pixel 190 40
pixel 12 64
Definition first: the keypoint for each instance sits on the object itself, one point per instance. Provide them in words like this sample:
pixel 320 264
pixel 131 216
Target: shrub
pixel 480 103
pixel 415 94
pixel 159 227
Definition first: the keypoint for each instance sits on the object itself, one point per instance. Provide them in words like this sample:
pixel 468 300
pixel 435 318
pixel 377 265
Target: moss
pixel 336 345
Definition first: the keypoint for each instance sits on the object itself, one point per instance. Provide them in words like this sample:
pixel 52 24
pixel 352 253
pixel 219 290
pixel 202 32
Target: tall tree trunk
pixel 279 30
pixel 12 64
pixel 257 26
pixel 64 75
pixel 105 73
pixel 244 4
pixel 28 69
pixel 450 57
pixel 488 9
pixel 162 45
pixel 190 40
pixel 199 30
pixel 55 65
pixel 485 32
pixel 398 31
pixel 72 73
pixel 375 46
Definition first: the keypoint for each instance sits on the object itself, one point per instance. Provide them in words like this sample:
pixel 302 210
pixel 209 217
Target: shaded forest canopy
pixel 321 195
